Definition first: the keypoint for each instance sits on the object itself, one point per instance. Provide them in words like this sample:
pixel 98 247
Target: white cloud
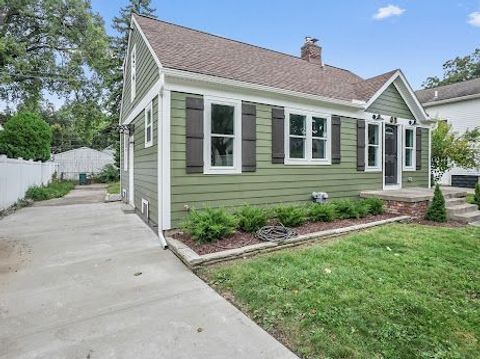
pixel 388 11
pixel 474 18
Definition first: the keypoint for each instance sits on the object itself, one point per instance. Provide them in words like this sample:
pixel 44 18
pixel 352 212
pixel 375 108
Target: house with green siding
pixel 209 121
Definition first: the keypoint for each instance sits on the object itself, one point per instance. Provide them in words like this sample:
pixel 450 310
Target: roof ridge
pixel 243 43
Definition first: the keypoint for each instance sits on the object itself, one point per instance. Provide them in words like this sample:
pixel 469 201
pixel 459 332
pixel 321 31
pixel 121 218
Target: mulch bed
pixel 241 239
pixel 449 224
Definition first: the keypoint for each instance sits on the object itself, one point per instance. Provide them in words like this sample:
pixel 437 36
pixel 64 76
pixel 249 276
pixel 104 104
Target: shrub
pixel 476 196
pixel 210 224
pixel 323 212
pixel 250 219
pixel 362 208
pixel 346 209
pixel 109 173
pixel 376 205
pixel 291 216
pixel 436 210
pixel 55 189
pixel 26 135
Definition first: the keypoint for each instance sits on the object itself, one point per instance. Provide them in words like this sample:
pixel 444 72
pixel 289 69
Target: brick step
pixel 461 208
pixel 454 201
pixel 469 217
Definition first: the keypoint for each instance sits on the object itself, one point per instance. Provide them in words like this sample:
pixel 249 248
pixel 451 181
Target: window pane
pixel 373 134
pixel 149 134
pixel 222 119
pixel 408 157
pixel 149 117
pixel 372 156
pixel 409 138
pixel 297 125
pixel 319 127
pixel 297 147
pixel 222 152
pixel 318 148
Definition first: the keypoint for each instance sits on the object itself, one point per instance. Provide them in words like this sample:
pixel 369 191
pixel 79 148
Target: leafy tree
pixel 451 150
pixel 476 196
pixel 59 46
pixel 436 211
pixel 457 70
pixel 26 135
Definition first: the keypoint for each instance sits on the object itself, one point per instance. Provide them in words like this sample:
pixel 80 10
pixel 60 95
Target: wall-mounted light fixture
pixel 412 122
pixel 377 117
pixel 393 120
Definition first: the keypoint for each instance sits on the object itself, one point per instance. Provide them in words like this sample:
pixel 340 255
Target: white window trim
pixel 379 166
pixel 308 160
pixel 237 136
pixel 126 143
pixel 149 108
pixel 133 73
pixel 413 167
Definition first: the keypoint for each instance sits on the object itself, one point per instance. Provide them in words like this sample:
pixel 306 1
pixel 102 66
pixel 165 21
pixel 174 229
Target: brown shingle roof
pixel 181 48
pixel 460 89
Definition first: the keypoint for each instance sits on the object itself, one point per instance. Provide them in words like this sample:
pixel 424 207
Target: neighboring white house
pixel 459 105
pixel 81 160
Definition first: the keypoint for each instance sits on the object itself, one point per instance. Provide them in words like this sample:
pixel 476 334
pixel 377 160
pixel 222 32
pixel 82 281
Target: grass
pixel 397 291
pixel 113 187
pixel 470 199
pixel 55 189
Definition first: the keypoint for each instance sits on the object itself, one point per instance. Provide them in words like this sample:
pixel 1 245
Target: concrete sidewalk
pixel 87 281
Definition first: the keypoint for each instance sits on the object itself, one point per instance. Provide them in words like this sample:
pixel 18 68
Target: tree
pixel 457 70
pixel 451 150
pixel 59 46
pixel 436 211
pixel 26 135
pixel 476 196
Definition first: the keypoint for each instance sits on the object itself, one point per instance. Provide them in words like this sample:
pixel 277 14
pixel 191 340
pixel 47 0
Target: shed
pixel 81 160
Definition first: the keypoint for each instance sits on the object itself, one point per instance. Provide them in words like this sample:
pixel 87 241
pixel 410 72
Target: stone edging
pixel 193 260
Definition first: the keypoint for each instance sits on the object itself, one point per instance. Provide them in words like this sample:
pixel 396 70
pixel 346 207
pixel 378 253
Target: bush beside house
pixel 436 210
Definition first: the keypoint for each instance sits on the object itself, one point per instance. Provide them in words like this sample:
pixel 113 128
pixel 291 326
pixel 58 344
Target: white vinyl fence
pixel 17 175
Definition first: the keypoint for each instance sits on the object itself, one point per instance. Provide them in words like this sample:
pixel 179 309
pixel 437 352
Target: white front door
pixel 131 146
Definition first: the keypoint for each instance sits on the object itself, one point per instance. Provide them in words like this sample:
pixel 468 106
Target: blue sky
pixel 368 37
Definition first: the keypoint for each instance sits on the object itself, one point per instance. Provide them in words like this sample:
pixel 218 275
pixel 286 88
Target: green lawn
pixel 55 189
pixel 113 187
pixel 398 291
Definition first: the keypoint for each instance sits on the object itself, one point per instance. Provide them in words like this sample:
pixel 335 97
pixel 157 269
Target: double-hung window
pixel 409 153
pixel 222 149
pixel 149 126
pixel 307 138
pixel 373 147
pixel 133 73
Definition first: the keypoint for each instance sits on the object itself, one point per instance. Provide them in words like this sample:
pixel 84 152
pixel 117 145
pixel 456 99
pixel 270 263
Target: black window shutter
pixel 336 148
pixel 418 146
pixel 194 133
pixel 249 137
pixel 360 145
pixel 278 133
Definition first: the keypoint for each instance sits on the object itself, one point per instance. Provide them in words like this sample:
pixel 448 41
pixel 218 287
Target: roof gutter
pixel 197 77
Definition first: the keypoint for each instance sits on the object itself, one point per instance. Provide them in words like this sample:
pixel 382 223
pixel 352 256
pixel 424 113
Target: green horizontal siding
pixel 391 103
pixel 147 73
pixel 271 183
pixel 146 164
pixel 420 177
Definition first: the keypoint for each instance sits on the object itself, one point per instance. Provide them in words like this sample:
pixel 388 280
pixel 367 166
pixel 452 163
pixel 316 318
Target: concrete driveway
pixel 87 281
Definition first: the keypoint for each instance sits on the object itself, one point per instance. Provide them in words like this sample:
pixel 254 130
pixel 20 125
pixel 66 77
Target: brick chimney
pixel 311 52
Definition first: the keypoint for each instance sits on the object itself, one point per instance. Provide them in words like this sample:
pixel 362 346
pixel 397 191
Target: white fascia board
pixel 407 93
pixel 221 81
pixel 451 100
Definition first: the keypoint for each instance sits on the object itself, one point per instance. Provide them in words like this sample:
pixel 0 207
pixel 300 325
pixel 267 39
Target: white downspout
pixel 160 163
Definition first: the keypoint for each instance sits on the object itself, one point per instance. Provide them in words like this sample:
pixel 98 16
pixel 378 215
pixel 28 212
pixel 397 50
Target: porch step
pixel 469 217
pixel 476 224
pixel 455 194
pixel 461 208
pixel 454 201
